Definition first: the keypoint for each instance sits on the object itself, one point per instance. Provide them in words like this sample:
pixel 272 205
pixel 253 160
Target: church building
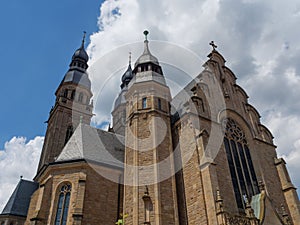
pixel 201 157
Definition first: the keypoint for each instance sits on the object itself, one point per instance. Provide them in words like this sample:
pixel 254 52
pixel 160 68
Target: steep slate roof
pixel 94 145
pixel 19 201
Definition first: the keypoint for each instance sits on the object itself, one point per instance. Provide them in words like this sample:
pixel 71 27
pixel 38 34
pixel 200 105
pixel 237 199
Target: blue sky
pixel 38 40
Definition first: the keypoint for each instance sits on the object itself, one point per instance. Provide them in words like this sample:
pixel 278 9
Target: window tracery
pixel 63 205
pixel 241 167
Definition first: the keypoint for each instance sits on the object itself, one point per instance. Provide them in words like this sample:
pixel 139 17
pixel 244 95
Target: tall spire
pixel 83 39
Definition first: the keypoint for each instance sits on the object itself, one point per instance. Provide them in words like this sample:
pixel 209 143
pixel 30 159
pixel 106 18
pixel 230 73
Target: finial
pixel 219 198
pixel 81 117
pixel 284 213
pixel 285 216
pixel 146 35
pixel 129 58
pixel 83 38
pixel 249 210
pixel 21 177
pixel 219 202
pixel 261 186
pixel 212 43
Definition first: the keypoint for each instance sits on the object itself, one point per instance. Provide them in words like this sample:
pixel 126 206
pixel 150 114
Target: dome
pixel 81 54
pixel 128 75
pixel 146 57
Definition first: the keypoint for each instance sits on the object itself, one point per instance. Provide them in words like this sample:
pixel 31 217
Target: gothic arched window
pixel 73 94
pixel 241 168
pixel 69 133
pixel 63 205
pixel 65 93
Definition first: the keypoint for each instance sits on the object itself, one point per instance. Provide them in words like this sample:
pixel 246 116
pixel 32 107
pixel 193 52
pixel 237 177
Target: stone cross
pixel 212 43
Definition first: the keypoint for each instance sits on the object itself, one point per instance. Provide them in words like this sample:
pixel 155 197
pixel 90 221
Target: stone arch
pixel 241 92
pixel 229 73
pixel 265 134
pixel 62 198
pixel 228 113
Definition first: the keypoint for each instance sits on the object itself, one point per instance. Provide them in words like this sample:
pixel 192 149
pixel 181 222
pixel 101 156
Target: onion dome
pixel 128 75
pixel 81 53
pixel 77 72
pixel 80 57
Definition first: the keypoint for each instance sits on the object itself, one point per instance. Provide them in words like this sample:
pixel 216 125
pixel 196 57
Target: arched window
pixel 241 168
pixel 69 133
pixel 80 97
pixel 144 103
pixel 63 205
pixel 159 103
pixel 66 93
pixel 73 94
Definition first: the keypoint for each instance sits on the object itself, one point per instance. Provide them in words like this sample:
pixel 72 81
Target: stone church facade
pixel 200 157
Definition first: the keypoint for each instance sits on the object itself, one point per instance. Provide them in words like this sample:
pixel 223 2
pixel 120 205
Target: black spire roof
pixel 81 53
pixel 128 75
pixel 77 71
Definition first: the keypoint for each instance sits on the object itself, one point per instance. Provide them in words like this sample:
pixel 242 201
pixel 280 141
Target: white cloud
pixel 19 158
pixel 259 39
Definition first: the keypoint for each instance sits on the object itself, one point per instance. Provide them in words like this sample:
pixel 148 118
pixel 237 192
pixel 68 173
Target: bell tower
pixel 150 189
pixel 72 105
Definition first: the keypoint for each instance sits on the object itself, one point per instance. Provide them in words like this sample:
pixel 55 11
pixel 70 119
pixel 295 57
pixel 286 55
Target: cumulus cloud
pixel 19 158
pixel 259 39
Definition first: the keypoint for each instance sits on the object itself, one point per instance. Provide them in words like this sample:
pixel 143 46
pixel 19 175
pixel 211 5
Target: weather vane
pixel 212 43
